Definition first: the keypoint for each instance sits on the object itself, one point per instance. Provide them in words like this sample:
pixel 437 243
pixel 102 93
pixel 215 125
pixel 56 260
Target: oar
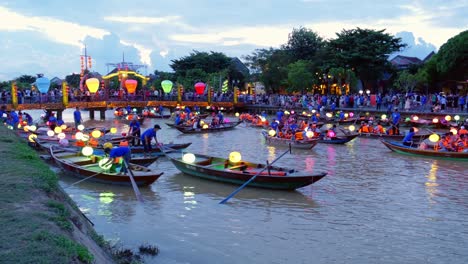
pixel 253 177
pixel 134 185
pixel 82 180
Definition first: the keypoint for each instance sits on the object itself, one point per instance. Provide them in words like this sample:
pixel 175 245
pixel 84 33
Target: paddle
pixel 82 180
pixel 253 177
pixel 134 185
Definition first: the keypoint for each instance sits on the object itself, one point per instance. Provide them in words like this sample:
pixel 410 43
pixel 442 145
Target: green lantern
pixel 167 86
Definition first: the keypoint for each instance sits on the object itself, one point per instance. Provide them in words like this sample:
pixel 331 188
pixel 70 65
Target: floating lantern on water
pixel 292 112
pixel 416 130
pixel 407 119
pixel 415 118
pixel 287 112
pixel 103 165
pixel 26 128
pixel 434 138
pixel 208 107
pixel 237 114
pixel 32 137
pixel 87 151
pixel 457 117
pixel 50 133
pixel 61 135
pixel 189 157
pixel 313 111
pixel 304 113
pixel 96 134
pixel 351 128
pixel 435 120
pixel 272 133
pixel 448 118
pixel 235 156
pixel 309 134
pixel 262 119
pixel 58 130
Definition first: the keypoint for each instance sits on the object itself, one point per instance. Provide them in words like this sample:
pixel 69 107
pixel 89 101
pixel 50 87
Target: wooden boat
pixel 400 148
pixel 416 137
pixel 297 144
pixel 156 115
pixel 223 127
pixel 157 150
pixel 337 140
pixel 128 119
pixel 220 169
pixel 88 166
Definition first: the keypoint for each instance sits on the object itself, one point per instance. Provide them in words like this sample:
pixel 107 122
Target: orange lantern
pixel 92 84
pixel 131 85
pixel 200 88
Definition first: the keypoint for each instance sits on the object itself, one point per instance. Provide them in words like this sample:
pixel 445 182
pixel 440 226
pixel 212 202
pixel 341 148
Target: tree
pixel 73 80
pixel 344 77
pixel 303 44
pixel 406 81
pixel 364 50
pixel 300 78
pixel 452 58
pixel 26 79
pixel 207 62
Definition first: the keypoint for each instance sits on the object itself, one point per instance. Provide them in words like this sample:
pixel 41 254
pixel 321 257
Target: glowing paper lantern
pixel 434 138
pixel 26 129
pixel 286 112
pixel 416 130
pixel 166 86
pixel 85 137
pixel 79 135
pixel 205 126
pixel 329 115
pixel 331 134
pixel 189 158
pixel 351 128
pixel 448 118
pixel 87 151
pixel 346 115
pixel 43 84
pixel 80 127
pixel 415 118
pixel 453 131
pixel 113 130
pixel 92 84
pixel 131 85
pixel 96 133
pixel 103 165
pixel 235 156
pixel 32 137
pixel 63 127
pixel 199 88
pixel 435 120
pixel 50 133
pixel 58 130
pixel 313 111
pixel 304 113
pixel 457 117
pixel 272 132
pixel 32 128
pixel 309 134
pixel 237 114
pixel 383 117
pixel 61 135
pixel 407 119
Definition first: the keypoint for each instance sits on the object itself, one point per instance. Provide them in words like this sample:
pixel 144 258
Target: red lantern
pixel 131 85
pixel 200 88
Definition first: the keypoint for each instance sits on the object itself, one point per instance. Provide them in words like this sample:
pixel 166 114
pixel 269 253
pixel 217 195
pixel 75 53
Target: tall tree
pixel 365 50
pixel 303 44
pixel 207 62
pixel 300 77
pixel 452 58
pixel 406 81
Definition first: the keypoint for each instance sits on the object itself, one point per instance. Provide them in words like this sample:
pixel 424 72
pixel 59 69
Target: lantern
pixel 43 84
pixel 309 134
pixel 63 126
pixel 234 156
pixel 87 151
pixel 351 114
pixel 58 130
pixel 32 128
pixel 415 118
pixel 272 132
pixel 200 88
pixel 351 128
pixel 166 86
pixel 453 131
pixel 85 137
pixel 205 126
pixel 32 137
pixel 346 115
pixel 457 117
pixel 131 85
pixel 96 133
pixel 61 135
pixel 103 165
pixel 113 130
pixel 237 114
pixel 331 134
pixel 189 158
pixel 92 84
pixel 407 119
pixel 435 120
pixel 434 138
pixel 50 133
pixel 329 115
pixel 383 117
pixel 80 127
pixel 448 118
pixel 79 135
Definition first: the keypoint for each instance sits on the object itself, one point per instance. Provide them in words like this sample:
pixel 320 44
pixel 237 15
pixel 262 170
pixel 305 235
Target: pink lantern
pixel 131 85
pixel 200 88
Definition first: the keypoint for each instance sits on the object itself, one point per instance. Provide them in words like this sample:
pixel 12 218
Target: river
pixel 375 206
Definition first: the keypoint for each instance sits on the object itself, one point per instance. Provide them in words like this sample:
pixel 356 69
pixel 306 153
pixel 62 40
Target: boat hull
pixel 402 149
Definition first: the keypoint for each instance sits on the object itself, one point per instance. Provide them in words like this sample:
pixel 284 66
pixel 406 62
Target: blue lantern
pixel 43 84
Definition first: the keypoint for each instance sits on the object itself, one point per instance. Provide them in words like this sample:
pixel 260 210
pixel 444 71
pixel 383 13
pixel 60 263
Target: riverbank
pixel 40 223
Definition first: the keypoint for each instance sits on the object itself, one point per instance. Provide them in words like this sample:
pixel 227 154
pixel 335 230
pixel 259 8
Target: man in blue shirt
pixel 147 136
pixel 115 153
pixel 408 139
pixel 135 132
pixel 396 122
pixel 77 117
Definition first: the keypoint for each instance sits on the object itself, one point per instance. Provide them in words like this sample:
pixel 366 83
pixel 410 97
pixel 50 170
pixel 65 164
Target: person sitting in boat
pixel 408 139
pixel 147 136
pixel 445 143
pixel 364 128
pixel 196 123
pixel 178 120
pixel 214 122
pixel 220 117
pixel 378 129
pixel 342 116
pixel 52 122
pixel 115 154
pixel 462 131
pixel 462 143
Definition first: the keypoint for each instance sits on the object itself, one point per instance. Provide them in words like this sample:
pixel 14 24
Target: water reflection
pixel 431 183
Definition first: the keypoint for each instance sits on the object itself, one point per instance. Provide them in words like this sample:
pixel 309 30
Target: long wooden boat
pixel 157 150
pixel 223 127
pixel 84 167
pixel 297 144
pixel 337 140
pixel 222 170
pixel 127 120
pixel 416 137
pixel 400 148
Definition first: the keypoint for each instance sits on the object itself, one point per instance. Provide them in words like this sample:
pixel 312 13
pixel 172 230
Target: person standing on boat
pixel 147 136
pixel 396 122
pixel 77 117
pixel 408 139
pixel 116 153
pixel 135 132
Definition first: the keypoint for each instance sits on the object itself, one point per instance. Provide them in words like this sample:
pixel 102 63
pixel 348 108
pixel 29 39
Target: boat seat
pixel 213 165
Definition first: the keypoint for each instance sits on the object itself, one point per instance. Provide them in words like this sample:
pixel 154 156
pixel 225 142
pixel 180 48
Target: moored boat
pixel 223 170
pixel 414 150
pixel 222 127
pixel 297 144
pixel 84 167
pixel 337 140
pixel 416 137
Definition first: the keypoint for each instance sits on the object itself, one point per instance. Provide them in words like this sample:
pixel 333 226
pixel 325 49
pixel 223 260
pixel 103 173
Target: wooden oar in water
pixel 134 185
pixel 255 176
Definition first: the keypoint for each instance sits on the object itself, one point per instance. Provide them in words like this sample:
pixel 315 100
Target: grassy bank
pixel 40 224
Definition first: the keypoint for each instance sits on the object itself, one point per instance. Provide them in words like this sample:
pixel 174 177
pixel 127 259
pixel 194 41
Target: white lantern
pixel 80 127
pixel 189 158
pixel 104 161
pixel 61 135
pixel 50 133
pixel 87 151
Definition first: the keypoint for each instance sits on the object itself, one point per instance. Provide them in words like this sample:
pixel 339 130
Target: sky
pixel 48 36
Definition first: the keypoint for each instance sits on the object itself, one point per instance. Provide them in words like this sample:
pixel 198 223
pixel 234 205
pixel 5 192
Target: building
pixel 404 62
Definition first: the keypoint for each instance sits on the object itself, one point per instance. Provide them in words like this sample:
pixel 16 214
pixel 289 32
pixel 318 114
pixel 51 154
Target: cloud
pixel 57 30
pixel 172 20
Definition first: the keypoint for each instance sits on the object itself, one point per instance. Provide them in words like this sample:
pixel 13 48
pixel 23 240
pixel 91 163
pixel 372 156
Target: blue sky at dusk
pixel 48 36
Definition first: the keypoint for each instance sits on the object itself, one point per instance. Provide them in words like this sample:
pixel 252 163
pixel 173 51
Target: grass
pixel 36 224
